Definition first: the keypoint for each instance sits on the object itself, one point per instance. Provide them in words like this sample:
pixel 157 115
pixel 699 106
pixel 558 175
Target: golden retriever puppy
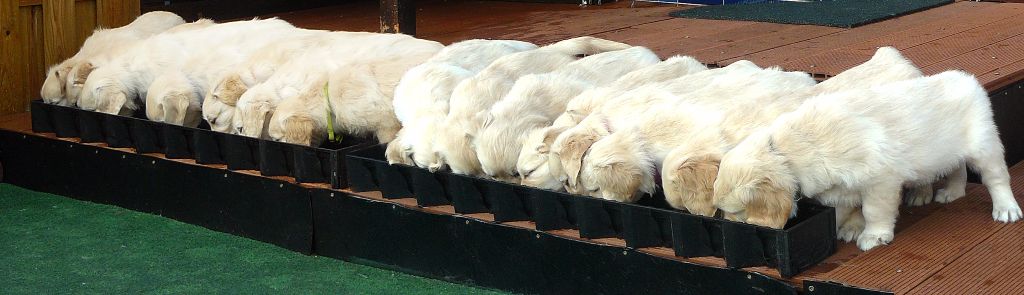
pixel 360 96
pixel 63 81
pixel 535 100
pixel 326 56
pixel 690 169
pixel 533 159
pixel 859 147
pixel 622 165
pixel 421 97
pixel 479 93
pixel 117 86
pixel 566 154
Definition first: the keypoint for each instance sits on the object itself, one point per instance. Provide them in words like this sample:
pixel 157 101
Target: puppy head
pixel 397 151
pixel 75 80
pixel 53 90
pixel 253 110
pixel 294 127
pixel 754 179
pixel 499 143
pixel 533 159
pixel 103 91
pixel 617 168
pixel 219 114
pixel 453 149
pixel 688 179
pixel 570 146
pixel 168 98
pixel 230 89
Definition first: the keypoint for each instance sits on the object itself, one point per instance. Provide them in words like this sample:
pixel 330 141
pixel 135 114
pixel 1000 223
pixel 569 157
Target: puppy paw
pixel 867 241
pixel 918 197
pixel 1006 213
pixel 850 230
pixel 946 195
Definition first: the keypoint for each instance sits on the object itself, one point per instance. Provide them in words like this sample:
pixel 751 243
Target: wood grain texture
pixel 116 13
pixel 58 30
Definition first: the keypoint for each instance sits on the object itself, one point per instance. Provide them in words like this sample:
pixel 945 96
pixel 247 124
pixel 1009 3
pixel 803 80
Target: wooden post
pixel 11 47
pixel 398 16
pixel 58 30
pixel 116 13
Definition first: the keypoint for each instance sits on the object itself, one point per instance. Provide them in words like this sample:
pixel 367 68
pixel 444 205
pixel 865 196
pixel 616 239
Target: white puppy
pixel 360 97
pixel 63 81
pixel 533 159
pixel 690 169
pixel 328 57
pixel 623 165
pixel 480 92
pixel 858 147
pixel 567 150
pixel 421 98
pixel 535 100
pixel 115 87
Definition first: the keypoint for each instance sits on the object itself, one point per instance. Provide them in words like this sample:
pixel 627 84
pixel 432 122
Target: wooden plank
pixel 35 62
pixel 983 60
pixel 550 27
pixel 12 42
pixel 784 54
pixel 85 21
pixel 58 30
pixel 940 50
pixel 698 39
pixel 992 267
pixel 928 246
pixel 116 13
pixel 835 61
pixel 764 42
pixel 1002 76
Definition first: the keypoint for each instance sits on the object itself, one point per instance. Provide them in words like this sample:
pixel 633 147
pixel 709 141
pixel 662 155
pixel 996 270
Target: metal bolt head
pixel 280 185
pixel 624 252
pixel 750 277
pixel 332 195
pixel 467 221
pixel 154 162
pixel 538 236
pixel 225 175
pixel 810 288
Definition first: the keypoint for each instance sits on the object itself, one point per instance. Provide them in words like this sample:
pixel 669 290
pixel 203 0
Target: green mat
pixel 56 245
pixel 833 13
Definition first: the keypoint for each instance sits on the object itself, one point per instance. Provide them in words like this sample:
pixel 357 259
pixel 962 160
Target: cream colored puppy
pixel 116 87
pixel 360 97
pixel 536 100
pixel 324 57
pixel 567 150
pixel 479 93
pixel 533 159
pixel 858 147
pixel 622 166
pixel 63 81
pixel 421 98
pixel 690 169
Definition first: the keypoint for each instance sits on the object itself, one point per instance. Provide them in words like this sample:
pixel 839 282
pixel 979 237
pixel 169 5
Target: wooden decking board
pixel 939 50
pixel 672 44
pixel 791 35
pixel 549 27
pixel 983 60
pixel 784 54
pixel 681 28
pixel 1002 76
pixel 927 247
pixel 990 268
pixel 835 61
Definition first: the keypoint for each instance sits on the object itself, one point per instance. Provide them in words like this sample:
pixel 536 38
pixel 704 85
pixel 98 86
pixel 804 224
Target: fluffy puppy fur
pixel 566 154
pixel 421 97
pixel 63 83
pixel 858 148
pixel 535 100
pixel 116 87
pixel 480 92
pixel 622 165
pixel 361 99
pixel 533 159
pixel 691 168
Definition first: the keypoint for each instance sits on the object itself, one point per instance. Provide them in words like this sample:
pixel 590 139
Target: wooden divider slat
pixel 837 60
pixel 58 30
pixel 784 54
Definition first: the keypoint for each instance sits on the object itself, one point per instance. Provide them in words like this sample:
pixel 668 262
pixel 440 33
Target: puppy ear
pixel 770 204
pixel 231 89
pixel 298 129
pixel 84 69
pixel 691 184
pixel 111 100
pixel 62 73
pixel 604 125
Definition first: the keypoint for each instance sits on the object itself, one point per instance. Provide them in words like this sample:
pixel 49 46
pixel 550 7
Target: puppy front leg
pixel 919 194
pixel 880 207
pixel 852 225
pixel 956 186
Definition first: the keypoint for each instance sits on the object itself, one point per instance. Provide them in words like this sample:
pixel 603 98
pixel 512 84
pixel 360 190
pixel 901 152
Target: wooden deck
pixel 950 248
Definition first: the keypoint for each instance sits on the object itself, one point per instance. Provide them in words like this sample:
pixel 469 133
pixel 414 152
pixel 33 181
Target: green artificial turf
pixel 55 245
pixel 833 13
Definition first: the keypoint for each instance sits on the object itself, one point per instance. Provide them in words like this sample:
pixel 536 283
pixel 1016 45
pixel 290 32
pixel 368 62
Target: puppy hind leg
pixel 955 187
pixel 996 178
pixel 880 208
pixel 851 227
pixel 918 194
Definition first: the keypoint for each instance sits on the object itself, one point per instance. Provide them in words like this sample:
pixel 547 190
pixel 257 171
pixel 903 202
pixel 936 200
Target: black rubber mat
pixel 833 13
